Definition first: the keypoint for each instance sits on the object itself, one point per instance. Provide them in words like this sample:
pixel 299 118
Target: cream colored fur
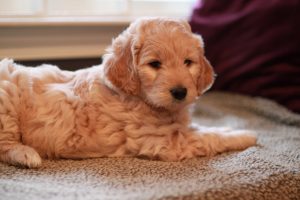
pixel 121 108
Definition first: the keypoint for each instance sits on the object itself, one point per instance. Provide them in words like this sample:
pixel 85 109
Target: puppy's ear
pixel 206 76
pixel 120 63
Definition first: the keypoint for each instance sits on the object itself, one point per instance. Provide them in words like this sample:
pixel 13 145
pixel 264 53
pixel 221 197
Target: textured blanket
pixel 271 170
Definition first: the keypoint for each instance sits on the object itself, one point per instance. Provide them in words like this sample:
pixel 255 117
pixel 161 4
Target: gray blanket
pixel 271 170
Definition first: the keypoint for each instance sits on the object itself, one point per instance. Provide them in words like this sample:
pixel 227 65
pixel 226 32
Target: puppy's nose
pixel 179 93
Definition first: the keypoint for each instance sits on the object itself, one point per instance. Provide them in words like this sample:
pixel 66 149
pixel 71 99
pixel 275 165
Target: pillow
pixel 254 46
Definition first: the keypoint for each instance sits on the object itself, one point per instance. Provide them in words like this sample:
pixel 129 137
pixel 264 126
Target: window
pixel 51 29
pixel 94 8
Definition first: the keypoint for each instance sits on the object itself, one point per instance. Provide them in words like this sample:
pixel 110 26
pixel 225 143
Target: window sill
pixel 57 37
pixel 38 38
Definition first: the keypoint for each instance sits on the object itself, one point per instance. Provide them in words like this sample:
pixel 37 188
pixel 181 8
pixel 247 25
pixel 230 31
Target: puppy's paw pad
pixel 25 156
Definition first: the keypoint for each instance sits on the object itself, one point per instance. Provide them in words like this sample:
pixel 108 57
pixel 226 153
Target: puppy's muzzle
pixel 178 93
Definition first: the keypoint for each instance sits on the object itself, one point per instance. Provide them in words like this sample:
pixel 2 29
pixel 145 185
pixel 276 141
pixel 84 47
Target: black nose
pixel 179 93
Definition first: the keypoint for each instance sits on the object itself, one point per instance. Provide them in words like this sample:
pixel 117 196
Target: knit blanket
pixel 270 170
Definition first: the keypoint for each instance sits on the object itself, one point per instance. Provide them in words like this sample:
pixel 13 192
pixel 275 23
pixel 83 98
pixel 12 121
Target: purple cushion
pixel 254 46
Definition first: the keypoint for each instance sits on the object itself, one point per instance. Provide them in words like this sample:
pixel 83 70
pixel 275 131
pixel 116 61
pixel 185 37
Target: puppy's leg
pixel 217 140
pixel 11 149
pixel 191 143
pixel 19 155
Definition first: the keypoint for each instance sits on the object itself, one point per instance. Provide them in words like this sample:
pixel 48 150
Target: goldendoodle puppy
pixel 135 104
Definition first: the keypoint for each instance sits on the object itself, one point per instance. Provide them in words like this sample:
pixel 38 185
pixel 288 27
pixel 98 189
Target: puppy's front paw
pixel 24 156
pixel 240 139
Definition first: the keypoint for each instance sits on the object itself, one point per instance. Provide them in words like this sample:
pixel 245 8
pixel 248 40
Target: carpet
pixel 270 170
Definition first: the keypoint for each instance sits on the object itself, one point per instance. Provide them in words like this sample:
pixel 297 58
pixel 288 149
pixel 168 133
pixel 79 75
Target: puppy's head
pixel 161 61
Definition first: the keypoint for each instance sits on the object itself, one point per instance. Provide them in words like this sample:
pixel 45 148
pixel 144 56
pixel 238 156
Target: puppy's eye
pixel 155 64
pixel 188 62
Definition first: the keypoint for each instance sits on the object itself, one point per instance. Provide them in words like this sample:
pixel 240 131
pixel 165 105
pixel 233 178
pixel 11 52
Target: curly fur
pixel 120 108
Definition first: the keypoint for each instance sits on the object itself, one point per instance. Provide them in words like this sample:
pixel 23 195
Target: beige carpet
pixel 270 170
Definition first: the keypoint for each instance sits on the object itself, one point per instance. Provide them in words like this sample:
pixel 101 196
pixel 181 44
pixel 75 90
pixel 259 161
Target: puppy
pixel 135 104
